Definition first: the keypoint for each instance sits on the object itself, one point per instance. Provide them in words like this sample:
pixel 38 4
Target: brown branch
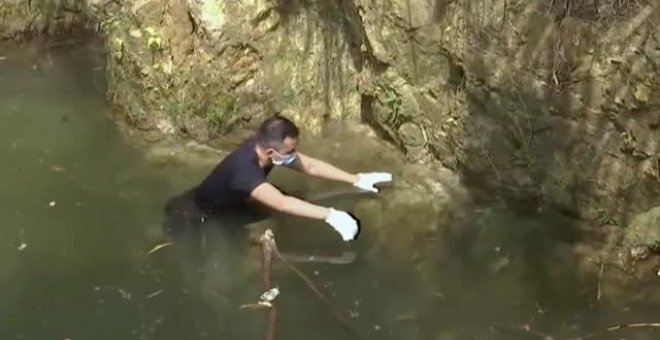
pixel 267 266
pixel 269 243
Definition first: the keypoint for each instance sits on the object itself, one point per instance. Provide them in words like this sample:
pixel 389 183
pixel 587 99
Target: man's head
pixel 278 138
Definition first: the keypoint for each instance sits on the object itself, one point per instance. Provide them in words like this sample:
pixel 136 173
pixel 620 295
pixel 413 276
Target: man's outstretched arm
pixel 272 197
pixel 318 168
pixel 341 221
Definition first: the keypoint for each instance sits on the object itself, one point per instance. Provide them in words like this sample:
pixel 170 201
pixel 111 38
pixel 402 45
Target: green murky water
pixel 81 208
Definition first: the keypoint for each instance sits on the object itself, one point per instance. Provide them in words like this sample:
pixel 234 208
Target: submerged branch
pixel 267 241
pixel 269 246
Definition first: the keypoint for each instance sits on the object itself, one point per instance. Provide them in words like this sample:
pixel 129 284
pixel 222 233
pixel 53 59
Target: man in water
pixel 241 179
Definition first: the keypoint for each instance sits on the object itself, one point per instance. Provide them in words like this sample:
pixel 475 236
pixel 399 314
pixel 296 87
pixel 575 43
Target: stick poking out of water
pixel 267 240
pixel 269 245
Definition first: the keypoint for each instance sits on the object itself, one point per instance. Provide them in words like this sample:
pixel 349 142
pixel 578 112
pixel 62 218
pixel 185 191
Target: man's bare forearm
pixel 295 206
pixel 328 171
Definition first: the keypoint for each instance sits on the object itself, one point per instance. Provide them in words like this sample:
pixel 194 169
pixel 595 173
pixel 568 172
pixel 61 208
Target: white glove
pixel 343 223
pixel 366 181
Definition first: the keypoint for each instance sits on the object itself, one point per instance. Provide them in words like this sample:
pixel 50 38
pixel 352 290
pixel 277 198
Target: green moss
pixel 289 97
pixel 154 41
pixel 110 24
pixel 644 230
pixel 217 115
pixel 604 217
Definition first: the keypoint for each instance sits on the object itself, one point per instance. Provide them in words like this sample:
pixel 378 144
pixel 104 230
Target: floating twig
pixel 154 294
pixel 655 325
pixel 635 325
pixel 158 247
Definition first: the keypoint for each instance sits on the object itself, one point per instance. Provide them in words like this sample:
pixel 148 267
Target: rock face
pixel 543 101
pixel 206 66
pixel 24 18
pixel 563 104
pixel 554 102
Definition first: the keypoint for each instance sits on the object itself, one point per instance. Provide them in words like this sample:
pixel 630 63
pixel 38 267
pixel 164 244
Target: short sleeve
pixel 246 180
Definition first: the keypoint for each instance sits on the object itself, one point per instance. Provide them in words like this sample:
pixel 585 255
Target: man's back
pixel 229 184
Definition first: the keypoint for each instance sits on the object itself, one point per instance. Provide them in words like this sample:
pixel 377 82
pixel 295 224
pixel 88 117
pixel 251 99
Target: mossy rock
pixel 21 19
pixel 644 231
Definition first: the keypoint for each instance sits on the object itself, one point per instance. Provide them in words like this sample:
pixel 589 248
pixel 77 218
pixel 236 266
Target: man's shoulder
pixel 242 160
pixel 244 150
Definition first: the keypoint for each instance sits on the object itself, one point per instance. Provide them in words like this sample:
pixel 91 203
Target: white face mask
pixel 285 160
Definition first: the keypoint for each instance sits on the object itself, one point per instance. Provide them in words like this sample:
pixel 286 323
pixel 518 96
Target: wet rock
pixel 413 134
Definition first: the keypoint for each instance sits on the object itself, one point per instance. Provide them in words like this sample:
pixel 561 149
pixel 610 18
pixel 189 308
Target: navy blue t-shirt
pixel 230 183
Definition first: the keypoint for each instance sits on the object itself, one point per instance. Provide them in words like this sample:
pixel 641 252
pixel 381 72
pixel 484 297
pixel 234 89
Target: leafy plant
pixel 110 24
pixel 220 113
pixel 394 102
pixel 605 217
pixel 118 51
pixel 289 96
pixel 154 41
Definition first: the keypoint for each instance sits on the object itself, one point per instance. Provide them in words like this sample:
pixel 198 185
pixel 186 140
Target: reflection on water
pixel 82 208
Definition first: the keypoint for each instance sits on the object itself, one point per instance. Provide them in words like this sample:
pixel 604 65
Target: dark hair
pixel 274 130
